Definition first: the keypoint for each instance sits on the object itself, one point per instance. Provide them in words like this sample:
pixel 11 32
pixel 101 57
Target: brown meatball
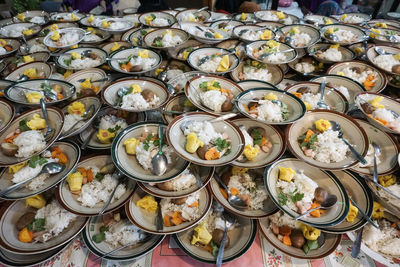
pixel 304 90
pixel 87 92
pixel 201 151
pixel 356 69
pixel 167 186
pixel 251 104
pixel 297 238
pixel 93 56
pixel 227 106
pixel 24 220
pixel 320 195
pixel 136 68
pixel 367 107
pixel 396 69
pixel 9 149
pixel 147 94
pixel 226 177
pixel 217 237
pixel 179 201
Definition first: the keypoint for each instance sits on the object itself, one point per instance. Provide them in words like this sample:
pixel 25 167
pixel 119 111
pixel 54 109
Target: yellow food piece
pixel 68 73
pixel 378 211
pixel 28 59
pixel 136 89
pixel 243 16
pixel 192 143
pixel 270 96
pixel 250 152
pixel 27 32
pixel 359 50
pixel 36 123
pixel 158 71
pixel 3 42
pixel 343 17
pixel 308 106
pixel 272 44
pixel 387 180
pixel 266 35
pixel 143 53
pixel 217 35
pixel 322 125
pixel 77 108
pixel 86 84
pixel 75 181
pixel 280 15
pixel 75 55
pixel 188 104
pixel 373 32
pixel 295 30
pixel 33 97
pixel 330 30
pixel 31 73
pixel 376 102
pixel 201 235
pixel 130 145
pixel 397 56
pixel 381 24
pixel 341 73
pixel 105 24
pixel 328 21
pixel 54 27
pixel 286 174
pixel 91 30
pixel 21 17
pixel 105 136
pixel 185 54
pixel 239 170
pixel 148 203
pixel 52 49
pixel 353 211
pixel 36 201
pixel 335 46
pixel 55 36
pixel 74 46
pixel 309 233
pixel 115 47
pixel 168 32
pixel 91 18
pixel 15 168
pixel 223 64
pixel 73 17
pixel 148 19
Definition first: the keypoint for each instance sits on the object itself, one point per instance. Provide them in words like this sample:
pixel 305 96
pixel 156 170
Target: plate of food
pixel 330 54
pixel 115 25
pixel 316 140
pixel 63 38
pixel 88 81
pixel 65 153
pixel 207 35
pixel 192 15
pixel 296 187
pixel 296 239
pixel 157 19
pixel 37 225
pixel 33 16
pixel 19 30
pixel 226 24
pixel 298 35
pixel 66 16
pixel 248 185
pixel 213 60
pixel 24 138
pixel 7 112
pixel 176 214
pixel 212 94
pixel 108 123
pixel 183 185
pixel 135 60
pixel 178 104
pixel 85 190
pixel 135 95
pixel 388 61
pixel 263 143
pixel 271 52
pixel 30 92
pixel 196 138
pixel 307 66
pixel 271 106
pixel 112 231
pixel 182 51
pixel 255 70
pixel 95 36
pixel 134 148
pixel 114 46
pixel 165 38
pixel 370 77
pixel 319 20
pixel 203 241
pixel 250 33
pixel 8 46
pixel 309 93
pixel 82 58
pixel 390 37
pixel 278 16
pixel 342 34
pixel 30 71
pixel 381 111
pixel 354 18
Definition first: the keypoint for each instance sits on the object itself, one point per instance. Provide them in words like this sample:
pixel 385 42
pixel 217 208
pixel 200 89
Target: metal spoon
pixel 194 169
pixel 235 201
pixel 376 153
pixel 380 51
pixel 163 74
pixel 159 162
pixel 95 81
pixel 96 126
pixel 316 51
pixel 329 202
pixel 333 37
pixel 206 58
pixel 201 9
pixel 50 168
pixel 357 244
pixel 229 221
pixel 46 118
pixel 263 56
pixel 363 213
pixel 288 39
pixel 86 116
pixel 121 180
pixel 336 127
pixel 45 92
pixel 159 220
pixel 321 103
pixel 120 93
pixel 23 78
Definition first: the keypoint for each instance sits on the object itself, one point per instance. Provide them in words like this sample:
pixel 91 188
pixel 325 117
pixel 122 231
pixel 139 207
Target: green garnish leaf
pixel 99 176
pixel 215 249
pixel 203 85
pixel 115 129
pixel 222 144
pixel 67 61
pixel 23 126
pixel 282 198
pixel 257 137
pixel 37 225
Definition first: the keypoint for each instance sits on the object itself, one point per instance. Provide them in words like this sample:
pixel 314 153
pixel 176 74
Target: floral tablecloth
pixel 261 253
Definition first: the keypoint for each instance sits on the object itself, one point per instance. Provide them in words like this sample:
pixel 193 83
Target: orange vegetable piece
pixel 297 94
pixel 315 213
pixel 10 139
pixel 263 141
pixel 89 175
pixel 381 121
pixel 95 89
pixel 245 107
pixel 127 67
pixel 222 90
pixel 308 135
pixel 166 220
pixel 223 192
pixel 285 230
pixel 212 154
pixel 208 248
pixel 234 191
pixel 368 84
pixel 25 235
pixel 82 171
pixel 8 48
pixel 286 240
pixel 194 204
pixel 176 218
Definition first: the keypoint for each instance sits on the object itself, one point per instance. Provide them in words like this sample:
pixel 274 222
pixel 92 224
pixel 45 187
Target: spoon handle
pixel 70 130
pixel 357 244
pixel 87 140
pixel 306 213
pixel 16 186
pixel 224 117
pixel 221 249
pixel 159 220
pixel 382 187
pixel 355 152
pixel 322 91
pixel 375 169
pixel 160 136
pixel 107 204
pixel 45 116
pixel 363 213
pixel 218 178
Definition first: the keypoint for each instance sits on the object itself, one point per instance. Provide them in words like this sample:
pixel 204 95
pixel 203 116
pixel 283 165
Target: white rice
pixel 70 120
pixel 111 121
pixel 37 20
pixel 329 147
pixel 345 36
pixel 332 54
pixel 84 63
pixel 269 111
pixel 311 99
pixel 204 131
pixel 2 51
pixel 348 72
pixel 123 233
pixel 386 62
pixel 213 99
pixel 144 156
pixel 137 102
pixel 343 90
pixel 92 38
pixel 159 22
pixel 57 219
pixel 188 213
pixel 252 35
pixel 384 240
pixel 169 40
pixel 304 185
pixel 300 39
pixel 146 63
pixel 387 115
pixel 268 15
pixel 29 142
pixel 281 219
pixel 118 25
pixel 256 74
pixel 70 38
pixel 353 19
pixel 304 67
pixel 99 191
pixel 38 48
pixel 210 65
pixel 184 181
pixel 275 58
pixel 171 74
pixel 14 32
pixel 188 17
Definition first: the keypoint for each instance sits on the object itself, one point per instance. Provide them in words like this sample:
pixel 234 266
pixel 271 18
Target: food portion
pixel 92 185
pixel 153 20
pixel 205 141
pixel 183 181
pixel 44 221
pixel 35 19
pixel 256 141
pixel 75 112
pixel 297 38
pixel 385 35
pixel 135 98
pixel 214 97
pixel 114 24
pixel 269 53
pixel 340 35
pixel 192 17
pixel 309 98
pixel 83 60
pixel 364 75
pixel 32 73
pixel 110 126
pixel 372 106
pixel 213 63
pixel 254 70
pixel 92 36
pixel 389 63
pixel 269 108
pixel 295 234
pixel 331 54
pixel 272 15
pixel 26 140
pixel 308 65
pixel 18 30
pixel 66 17
pixel 299 192
pixel 63 39
pixel 167 39
pixel 322 143
pixel 5 47
pixel 36 45
pixel 352 19
pixel 49 92
pixel 256 34
pixel 139 61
